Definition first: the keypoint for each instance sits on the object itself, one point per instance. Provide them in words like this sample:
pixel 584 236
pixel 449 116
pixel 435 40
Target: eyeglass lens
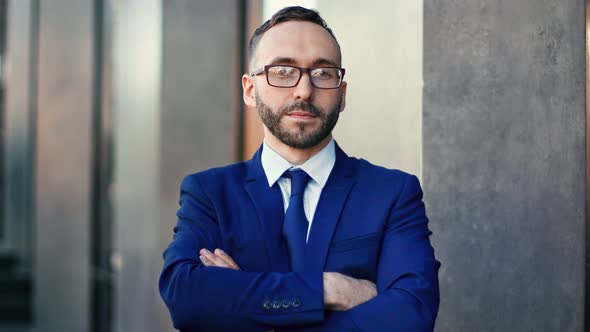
pixel 287 76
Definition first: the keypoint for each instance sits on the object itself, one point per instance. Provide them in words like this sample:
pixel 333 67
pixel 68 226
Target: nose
pixel 303 90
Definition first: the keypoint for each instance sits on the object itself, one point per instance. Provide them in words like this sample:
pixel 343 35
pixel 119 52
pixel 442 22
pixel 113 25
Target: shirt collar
pixel 317 167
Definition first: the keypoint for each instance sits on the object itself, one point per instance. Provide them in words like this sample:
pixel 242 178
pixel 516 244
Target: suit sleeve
pixel 407 276
pixel 202 298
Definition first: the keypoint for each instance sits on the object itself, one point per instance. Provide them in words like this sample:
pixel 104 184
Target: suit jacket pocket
pixel 358 242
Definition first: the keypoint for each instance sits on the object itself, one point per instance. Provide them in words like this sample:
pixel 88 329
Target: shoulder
pixel 217 177
pixel 385 181
pixel 368 171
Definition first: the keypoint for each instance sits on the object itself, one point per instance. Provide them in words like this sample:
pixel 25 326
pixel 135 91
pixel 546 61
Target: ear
pixel 343 102
pixel 249 93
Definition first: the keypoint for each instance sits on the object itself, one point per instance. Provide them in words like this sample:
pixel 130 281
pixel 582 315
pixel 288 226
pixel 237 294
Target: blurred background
pixel 105 105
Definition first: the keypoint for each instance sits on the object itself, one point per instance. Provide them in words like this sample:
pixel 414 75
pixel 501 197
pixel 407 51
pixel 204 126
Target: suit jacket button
pixel 276 304
pixel 286 303
pixel 296 302
pixel 267 305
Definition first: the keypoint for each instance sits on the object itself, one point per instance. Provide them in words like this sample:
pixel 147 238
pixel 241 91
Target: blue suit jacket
pixel 370 223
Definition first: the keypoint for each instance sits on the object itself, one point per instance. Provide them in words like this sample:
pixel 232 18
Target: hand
pixel 342 292
pixel 217 258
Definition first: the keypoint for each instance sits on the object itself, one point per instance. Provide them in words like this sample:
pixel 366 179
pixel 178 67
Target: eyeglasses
pixel 283 76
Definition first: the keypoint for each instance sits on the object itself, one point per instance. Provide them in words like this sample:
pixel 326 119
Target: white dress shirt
pixel 317 167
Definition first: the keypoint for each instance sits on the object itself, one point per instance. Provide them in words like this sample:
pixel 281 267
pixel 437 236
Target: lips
pixel 301 115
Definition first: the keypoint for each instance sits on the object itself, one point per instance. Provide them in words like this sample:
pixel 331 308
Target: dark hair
pixel 293 13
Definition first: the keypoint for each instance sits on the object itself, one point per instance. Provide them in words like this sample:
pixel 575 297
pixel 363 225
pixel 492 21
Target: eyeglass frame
pixel 301 70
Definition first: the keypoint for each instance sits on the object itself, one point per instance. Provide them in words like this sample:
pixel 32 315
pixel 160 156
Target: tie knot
pixel 299 180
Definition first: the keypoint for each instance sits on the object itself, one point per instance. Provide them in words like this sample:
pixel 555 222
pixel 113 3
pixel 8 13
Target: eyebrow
pixel 291 61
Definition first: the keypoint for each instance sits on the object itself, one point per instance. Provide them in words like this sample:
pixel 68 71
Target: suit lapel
pixel 268 203
pixel 327 214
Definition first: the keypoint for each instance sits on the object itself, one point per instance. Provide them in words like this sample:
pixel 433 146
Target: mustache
pixel 300 105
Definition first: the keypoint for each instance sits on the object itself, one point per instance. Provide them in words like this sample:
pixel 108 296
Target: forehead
pixel 304 42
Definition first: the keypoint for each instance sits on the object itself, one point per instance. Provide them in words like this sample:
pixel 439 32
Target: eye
pixel 323 73
pixel 282 71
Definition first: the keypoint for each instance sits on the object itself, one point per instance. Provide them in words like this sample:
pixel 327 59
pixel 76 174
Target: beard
pixel 303 136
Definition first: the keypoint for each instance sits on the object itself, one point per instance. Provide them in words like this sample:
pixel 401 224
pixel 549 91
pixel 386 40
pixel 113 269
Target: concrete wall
pixel 504 161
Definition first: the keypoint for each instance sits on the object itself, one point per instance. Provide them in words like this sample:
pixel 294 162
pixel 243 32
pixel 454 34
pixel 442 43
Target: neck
pixel 293 155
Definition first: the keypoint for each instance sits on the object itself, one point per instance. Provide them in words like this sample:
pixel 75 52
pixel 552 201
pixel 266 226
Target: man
pixel 301 237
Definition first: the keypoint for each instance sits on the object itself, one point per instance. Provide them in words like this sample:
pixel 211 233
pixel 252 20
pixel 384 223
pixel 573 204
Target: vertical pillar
pixel 136 47
pixel 587 281
pixel 201 94
pixel 19 127
pixel 63 165
pixel 252 132
pixel 504 162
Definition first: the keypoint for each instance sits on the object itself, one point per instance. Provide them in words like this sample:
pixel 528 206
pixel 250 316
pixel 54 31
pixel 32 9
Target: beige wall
pixel 382 52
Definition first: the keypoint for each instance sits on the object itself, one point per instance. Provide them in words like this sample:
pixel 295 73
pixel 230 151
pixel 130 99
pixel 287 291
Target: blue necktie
pixel 296 224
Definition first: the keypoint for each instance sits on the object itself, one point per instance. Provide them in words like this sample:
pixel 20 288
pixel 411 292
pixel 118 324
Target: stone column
pixel 504 162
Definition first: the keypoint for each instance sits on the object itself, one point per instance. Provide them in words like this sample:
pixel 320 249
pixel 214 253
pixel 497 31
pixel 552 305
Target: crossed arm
pixel 340 291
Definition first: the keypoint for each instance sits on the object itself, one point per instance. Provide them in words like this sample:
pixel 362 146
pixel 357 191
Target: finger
pixel 370 289
pixel 223 255
pixel 216 261
pixel 368 284
pixel 205 261
pixel 365 291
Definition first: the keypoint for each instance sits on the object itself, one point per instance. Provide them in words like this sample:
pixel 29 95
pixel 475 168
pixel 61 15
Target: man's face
pixel 302 116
